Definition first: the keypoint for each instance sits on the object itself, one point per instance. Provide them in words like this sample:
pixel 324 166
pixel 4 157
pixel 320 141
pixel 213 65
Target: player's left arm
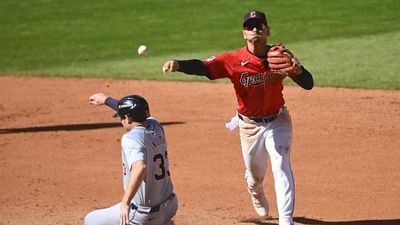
pixel 102 99
pixel 282 62
pixel 135 180
pixel 304 79
pixel 112 103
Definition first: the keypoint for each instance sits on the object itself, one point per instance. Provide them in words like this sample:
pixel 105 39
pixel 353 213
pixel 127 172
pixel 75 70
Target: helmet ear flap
pixel 138 113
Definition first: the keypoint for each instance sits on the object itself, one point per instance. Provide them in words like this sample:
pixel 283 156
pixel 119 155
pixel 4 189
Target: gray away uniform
pixel 154 202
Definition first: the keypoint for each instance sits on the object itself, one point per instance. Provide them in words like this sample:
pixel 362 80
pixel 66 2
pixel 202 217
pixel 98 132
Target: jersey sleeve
pixel 133 148
pixel 219 66
pixel 112 103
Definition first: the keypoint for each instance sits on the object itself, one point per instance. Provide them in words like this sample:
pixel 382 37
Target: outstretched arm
pixel 101 99
pixel 190 67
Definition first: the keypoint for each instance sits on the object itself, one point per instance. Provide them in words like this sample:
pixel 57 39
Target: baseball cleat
pixel 260 205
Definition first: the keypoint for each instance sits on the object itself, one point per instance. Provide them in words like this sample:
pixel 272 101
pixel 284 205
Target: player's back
pixel 157 185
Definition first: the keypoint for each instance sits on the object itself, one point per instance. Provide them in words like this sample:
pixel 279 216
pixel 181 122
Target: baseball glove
pixel 282 62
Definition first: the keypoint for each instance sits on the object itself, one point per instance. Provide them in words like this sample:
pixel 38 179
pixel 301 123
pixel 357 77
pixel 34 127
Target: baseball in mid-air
pixel 143 50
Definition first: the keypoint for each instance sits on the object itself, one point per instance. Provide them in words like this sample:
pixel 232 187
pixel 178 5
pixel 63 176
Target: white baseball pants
pixel 258 140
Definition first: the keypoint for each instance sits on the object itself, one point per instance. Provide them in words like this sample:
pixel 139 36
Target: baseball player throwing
pixel 149 198
pixel 257 72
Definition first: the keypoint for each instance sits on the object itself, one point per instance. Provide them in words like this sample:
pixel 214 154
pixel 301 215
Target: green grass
pixel 368 61
pixel 343 43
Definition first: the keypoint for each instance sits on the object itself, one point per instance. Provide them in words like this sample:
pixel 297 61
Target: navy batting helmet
pixel 134 106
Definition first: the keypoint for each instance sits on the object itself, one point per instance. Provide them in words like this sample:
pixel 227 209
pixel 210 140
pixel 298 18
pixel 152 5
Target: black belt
pixel 155 208
pixel 266 119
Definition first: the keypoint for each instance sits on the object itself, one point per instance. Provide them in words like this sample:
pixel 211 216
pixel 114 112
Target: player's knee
pixel 283 149
pixel 253 182
pixel 89 219
pixel 86 220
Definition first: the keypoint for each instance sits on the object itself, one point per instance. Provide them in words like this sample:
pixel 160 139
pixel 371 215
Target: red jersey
pixel 258 92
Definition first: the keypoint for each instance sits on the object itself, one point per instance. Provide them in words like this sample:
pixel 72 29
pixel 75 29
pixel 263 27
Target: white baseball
pixel 143 50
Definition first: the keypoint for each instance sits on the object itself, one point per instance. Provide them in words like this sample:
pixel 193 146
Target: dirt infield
pixel 60 157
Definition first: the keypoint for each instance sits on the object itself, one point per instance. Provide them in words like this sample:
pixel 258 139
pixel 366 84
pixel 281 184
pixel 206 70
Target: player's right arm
pixel 213 68
pixel 136 178
pixel 134 149
pixel 190 67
